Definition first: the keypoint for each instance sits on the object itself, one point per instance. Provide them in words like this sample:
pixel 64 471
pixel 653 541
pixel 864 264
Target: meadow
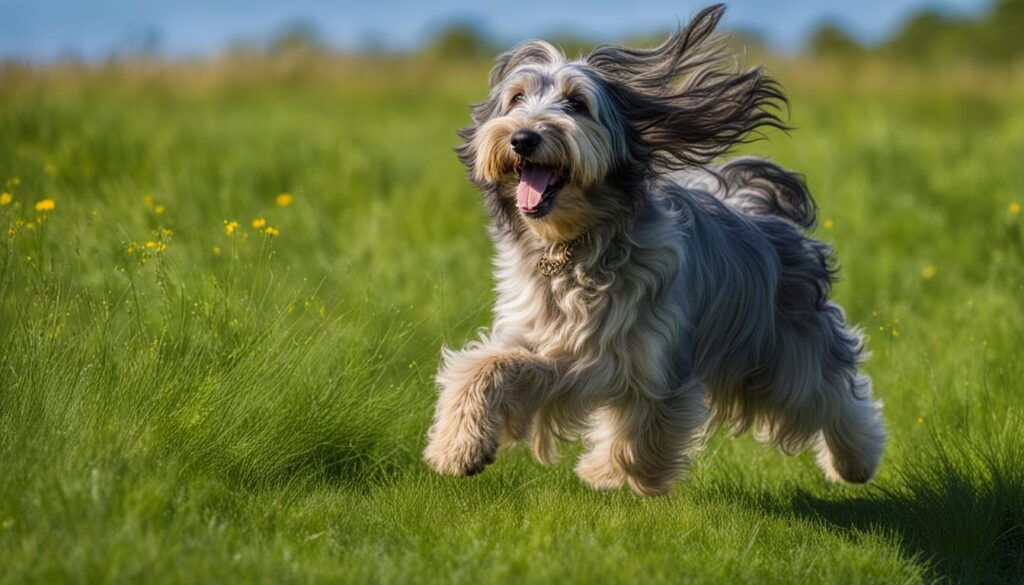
pixel 224 287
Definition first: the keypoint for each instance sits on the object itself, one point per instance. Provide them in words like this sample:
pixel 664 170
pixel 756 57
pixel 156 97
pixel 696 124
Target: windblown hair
pixel 645 294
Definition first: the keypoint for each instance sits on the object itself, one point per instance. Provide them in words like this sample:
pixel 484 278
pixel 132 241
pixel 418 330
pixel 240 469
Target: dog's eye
pixel 576 104
pixel 518 98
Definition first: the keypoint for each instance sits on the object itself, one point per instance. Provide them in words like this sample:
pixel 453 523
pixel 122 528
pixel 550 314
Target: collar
pixel 558 256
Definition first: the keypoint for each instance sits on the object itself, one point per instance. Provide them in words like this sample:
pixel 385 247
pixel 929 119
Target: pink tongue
pixel 532 185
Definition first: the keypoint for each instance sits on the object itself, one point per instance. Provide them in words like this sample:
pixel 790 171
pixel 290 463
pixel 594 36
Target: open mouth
pixel 538 185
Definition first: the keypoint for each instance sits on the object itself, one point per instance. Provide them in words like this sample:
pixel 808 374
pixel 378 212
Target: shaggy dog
pixel 644 296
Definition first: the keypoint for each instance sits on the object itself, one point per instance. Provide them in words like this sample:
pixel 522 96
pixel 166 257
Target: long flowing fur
pixel 690 298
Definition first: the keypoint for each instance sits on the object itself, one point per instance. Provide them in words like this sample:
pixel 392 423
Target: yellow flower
pixel 272 231
pixel 895 332
pixel 6 198
pixel 45 205
pixel 258 223
pixel 928 272
pixel 920 420
pixel 166 232
pixel 829 224
pixel 1014 208
pixel 159 209
pixel 156 246
pixel 230 227
pixel 284 199
pixel 216 250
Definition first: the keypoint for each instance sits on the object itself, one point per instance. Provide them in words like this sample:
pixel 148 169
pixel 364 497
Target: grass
pixel 174 414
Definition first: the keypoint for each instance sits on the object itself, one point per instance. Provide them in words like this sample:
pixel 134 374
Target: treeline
pixel 932 36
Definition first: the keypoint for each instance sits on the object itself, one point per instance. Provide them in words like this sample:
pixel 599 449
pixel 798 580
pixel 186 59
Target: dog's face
pixel 546 137
pixel 561 145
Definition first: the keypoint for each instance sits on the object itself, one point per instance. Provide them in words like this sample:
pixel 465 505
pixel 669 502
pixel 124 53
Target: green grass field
pixel 181 404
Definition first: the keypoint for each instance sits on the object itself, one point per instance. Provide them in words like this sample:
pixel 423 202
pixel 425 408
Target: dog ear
pixel 654 70
pixel 684 102
pixel 537 51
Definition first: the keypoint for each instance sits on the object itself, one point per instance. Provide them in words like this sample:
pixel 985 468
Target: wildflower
pixel 829 224
pixel 284 199
pixel 920 420
pixel 928 272
pixel 258 223
pixel 166 232
pixel 1014 208
pixel 895 332
pixel 147 200
pixel 216 250
pixel 6 198
pixel 272 231
pixel 230 227
pixel 156 247
pixel 130 248
pixel 45 205
pixel 159 209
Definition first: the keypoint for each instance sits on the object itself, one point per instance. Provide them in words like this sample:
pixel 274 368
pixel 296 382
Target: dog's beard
pixel 550 186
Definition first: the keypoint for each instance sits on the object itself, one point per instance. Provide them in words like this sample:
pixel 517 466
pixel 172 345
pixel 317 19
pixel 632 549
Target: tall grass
pixel 182 404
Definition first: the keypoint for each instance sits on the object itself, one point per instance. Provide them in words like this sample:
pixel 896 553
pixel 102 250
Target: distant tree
pixel 299 36
pixel 460 40
pixel 831 40
pixel 1003 31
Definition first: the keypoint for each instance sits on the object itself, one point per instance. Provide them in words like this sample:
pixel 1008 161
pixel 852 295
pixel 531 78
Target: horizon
pixel 53 29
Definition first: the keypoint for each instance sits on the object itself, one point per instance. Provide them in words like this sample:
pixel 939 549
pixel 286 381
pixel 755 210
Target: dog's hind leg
pixel 480 399
pixel 851 446
pixel 853 437
pixel 643 442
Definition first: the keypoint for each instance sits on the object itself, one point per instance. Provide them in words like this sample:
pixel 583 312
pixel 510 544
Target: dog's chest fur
pixel 609 312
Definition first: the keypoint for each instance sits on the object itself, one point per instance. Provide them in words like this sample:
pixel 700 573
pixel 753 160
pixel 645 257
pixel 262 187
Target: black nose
pixel 524 141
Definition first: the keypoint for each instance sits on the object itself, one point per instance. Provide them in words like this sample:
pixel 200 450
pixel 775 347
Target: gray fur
pixel 694 298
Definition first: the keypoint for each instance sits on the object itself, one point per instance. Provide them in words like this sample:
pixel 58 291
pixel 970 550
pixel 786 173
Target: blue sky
pixel 45 29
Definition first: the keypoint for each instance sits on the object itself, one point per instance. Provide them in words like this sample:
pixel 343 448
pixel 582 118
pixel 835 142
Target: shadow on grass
pixel 962 535
pixel 957 505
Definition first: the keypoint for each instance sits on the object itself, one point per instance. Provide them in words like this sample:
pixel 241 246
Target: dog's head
pixel 560 145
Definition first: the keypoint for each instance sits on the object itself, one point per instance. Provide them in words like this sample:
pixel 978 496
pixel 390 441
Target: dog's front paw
pixel 459 455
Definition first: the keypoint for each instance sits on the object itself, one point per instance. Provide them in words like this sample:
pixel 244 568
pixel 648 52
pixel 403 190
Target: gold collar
pixel 557 257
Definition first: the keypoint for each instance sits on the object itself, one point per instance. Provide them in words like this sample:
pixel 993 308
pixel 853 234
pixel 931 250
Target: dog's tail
pixel 760 187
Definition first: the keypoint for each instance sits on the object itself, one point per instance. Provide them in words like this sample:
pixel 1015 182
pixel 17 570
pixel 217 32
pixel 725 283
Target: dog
pixel 645 295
